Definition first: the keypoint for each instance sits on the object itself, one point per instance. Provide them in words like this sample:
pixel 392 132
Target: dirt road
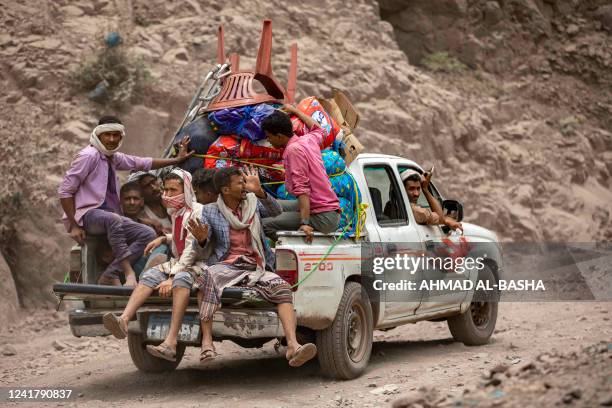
pixel 404 359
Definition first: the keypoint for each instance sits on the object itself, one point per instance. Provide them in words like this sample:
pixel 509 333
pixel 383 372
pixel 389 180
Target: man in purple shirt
pixel 317 207
pixel 89 195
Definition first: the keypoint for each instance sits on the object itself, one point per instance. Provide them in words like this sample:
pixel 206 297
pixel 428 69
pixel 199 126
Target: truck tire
pixel 148 363
pixel 475 326
pixel 345 347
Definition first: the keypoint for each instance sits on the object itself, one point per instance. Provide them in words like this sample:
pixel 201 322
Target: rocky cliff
pixel 518 125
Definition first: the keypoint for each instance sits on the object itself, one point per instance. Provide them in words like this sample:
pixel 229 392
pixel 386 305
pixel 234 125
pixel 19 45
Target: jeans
pixel 154 277
pixel 126 238
pixel 290 218
pixel 141 263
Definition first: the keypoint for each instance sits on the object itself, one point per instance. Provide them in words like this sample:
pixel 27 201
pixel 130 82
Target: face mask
pixel 175 202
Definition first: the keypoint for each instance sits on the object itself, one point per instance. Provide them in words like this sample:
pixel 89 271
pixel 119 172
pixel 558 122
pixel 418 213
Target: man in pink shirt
pixel 317 207
pixel 89 195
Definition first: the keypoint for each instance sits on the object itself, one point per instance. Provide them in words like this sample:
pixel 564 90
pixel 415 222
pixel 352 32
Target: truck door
pixel 397 236
pixel 436 243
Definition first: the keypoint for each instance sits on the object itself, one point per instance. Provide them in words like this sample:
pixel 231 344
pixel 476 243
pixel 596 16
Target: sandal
pixel 162 351
pixel 207 354
pixel 114 325
pixel 304 353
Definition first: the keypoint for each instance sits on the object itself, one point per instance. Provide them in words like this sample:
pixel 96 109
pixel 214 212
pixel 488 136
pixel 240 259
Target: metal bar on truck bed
pixel 124 291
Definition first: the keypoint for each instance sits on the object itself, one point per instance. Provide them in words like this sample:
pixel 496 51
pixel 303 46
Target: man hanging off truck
pixel 89 196
pixel 317 207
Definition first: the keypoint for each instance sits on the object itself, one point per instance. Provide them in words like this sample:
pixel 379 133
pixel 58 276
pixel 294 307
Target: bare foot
pixel 130 280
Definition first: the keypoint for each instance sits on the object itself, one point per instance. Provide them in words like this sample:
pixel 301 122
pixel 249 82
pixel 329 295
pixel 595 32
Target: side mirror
pixel 453 209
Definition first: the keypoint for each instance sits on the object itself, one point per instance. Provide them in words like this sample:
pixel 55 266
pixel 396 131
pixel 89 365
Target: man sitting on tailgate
pixel 153 212
pixel 132 204
pixel 414 184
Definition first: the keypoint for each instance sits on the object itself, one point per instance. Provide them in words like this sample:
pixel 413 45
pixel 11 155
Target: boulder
pixel 72 11
pixel 604 15
pixel 176 56
pixel 75 131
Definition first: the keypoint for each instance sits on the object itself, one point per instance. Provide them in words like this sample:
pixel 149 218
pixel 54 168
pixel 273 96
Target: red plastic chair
pixel 239 88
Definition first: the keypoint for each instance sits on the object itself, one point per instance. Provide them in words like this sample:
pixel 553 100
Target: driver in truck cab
pixel 415 184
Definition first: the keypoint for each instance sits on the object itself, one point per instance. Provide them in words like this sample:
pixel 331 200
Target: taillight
pixel 287 266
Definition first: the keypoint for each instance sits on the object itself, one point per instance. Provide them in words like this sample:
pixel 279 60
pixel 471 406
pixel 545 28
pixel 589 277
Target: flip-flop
pixel 304 353
pixel 207 354
pixel 113 325
pixel 162 351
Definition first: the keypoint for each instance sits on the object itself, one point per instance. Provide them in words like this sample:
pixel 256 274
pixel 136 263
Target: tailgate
pixel 233 296
pixel 244 313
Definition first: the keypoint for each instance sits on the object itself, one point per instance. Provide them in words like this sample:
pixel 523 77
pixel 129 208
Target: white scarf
pixel 107 127
pixel 190 199
pixel 248 208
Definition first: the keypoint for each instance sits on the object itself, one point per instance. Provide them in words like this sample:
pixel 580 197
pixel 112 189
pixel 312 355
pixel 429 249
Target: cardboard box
pixel 347 117
pixel 352 149
pixel 341 110
pixel 347 110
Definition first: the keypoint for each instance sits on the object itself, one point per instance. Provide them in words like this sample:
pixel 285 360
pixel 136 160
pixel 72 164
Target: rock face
pixel 149 129
pixel 522 137
pixel 9 303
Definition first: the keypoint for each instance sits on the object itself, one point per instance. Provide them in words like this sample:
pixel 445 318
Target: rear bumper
pixel 244 314
pixel 228 324
pixel 85 324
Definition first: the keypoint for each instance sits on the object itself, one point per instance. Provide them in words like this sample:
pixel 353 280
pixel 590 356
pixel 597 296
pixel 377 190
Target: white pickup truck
pixel 336 305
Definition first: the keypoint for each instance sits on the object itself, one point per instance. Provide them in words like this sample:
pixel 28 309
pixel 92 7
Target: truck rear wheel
pixel 345 347
pixel 145 361
pixel 475 326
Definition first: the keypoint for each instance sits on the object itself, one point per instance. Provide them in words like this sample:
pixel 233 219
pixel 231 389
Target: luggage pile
pixel 227 132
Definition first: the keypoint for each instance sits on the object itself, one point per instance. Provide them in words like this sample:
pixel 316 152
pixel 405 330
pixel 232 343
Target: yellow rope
pixel 245 161
pixel 361 219
pixel 282 182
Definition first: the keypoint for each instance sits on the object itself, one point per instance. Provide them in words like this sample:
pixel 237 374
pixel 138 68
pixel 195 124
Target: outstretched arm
pixel 434 204
pixel 183 155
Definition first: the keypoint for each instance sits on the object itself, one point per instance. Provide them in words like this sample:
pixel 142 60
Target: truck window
pixel 422 202
pixel 385 197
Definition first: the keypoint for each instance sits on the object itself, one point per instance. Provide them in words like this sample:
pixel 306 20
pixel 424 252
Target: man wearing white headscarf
pixel 89 195
pixel 415 183
pixel 175 277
